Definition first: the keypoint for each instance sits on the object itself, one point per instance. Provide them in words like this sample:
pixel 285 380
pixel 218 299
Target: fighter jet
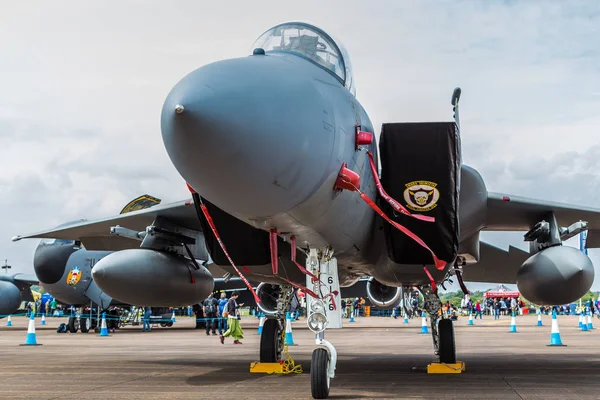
pixel 283 165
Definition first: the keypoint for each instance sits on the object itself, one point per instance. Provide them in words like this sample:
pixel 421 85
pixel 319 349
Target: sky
pixel 82 86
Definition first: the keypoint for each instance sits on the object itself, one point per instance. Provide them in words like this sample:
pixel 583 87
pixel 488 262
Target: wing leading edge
pixel 95 235
pixel 515 213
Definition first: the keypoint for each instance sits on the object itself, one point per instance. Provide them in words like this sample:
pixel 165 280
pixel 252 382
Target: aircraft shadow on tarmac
pixel 392 374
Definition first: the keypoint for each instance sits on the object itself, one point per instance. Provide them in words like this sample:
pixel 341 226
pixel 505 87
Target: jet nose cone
pixel 252 135
pixel 98 272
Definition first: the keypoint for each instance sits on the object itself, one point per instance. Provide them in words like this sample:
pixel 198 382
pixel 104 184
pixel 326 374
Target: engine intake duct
pixel 420 167
pixel 383 296
pixel 268 295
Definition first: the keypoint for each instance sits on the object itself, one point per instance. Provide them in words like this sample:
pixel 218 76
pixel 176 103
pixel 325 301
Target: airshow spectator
pixel 147 314
pixel 497 308
pixel 503 308
pixel 210 307
pixel 222 319
pixel 232 312
pixel 478 310
pixel 356 306
pixel 53 307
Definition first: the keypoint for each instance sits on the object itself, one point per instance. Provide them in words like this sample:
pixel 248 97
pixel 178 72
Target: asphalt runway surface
pixel 376 360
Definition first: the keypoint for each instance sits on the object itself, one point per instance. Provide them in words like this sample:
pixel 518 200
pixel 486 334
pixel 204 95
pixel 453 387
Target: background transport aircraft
pixel 282 163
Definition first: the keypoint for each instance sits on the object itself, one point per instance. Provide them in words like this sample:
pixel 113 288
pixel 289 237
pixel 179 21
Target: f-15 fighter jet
pixel 283 166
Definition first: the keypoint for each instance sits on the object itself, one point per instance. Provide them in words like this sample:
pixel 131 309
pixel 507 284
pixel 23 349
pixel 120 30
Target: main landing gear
pixel 443 333
pixel 273 334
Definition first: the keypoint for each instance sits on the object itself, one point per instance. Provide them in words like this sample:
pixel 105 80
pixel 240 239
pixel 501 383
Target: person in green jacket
pixel 53 306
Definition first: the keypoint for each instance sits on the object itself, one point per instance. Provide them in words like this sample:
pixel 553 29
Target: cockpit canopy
pixel 312 43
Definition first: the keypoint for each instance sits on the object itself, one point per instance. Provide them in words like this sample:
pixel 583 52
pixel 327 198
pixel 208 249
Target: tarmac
pixel 376 360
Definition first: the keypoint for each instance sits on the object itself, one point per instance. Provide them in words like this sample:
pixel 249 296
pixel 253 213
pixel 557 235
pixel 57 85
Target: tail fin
pixel 144 201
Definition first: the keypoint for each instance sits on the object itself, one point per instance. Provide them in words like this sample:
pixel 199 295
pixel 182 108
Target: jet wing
pixel 26 278
pixel 495 265
pixel 515 213
pixel 95 235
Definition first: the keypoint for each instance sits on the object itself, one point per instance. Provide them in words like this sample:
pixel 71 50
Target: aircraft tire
pixel 270 341
pixel 73 324
pixel 84 325
pixel 169 324
pixel 163 324
pixel 319 374
pixel 447 344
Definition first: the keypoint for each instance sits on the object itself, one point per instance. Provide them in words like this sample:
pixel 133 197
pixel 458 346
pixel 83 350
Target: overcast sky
pixel 82 85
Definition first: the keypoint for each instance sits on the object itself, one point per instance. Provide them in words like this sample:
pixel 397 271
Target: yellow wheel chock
pixel 441 368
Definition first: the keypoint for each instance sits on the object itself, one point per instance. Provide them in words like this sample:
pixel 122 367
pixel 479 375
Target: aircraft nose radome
pixel 249 134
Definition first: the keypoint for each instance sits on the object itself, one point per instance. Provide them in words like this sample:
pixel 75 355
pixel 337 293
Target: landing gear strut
pixel 322 314
pixel 443 334
pixel 272 338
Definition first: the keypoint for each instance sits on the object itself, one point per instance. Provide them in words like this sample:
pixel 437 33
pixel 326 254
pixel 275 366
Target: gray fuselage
pixel 264 137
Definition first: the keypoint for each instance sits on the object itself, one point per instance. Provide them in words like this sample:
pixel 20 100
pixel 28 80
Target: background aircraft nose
pixel 252 135
pixel 50 260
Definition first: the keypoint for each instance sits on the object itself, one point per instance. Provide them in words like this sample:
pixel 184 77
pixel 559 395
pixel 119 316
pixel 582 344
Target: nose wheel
pixel 319 374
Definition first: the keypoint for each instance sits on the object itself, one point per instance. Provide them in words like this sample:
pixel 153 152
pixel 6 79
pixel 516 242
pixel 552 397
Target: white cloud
pixel 83 85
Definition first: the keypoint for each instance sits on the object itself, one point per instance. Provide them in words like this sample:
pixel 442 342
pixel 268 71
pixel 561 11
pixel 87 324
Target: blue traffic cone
pixel 351 316
pixel 539 322
pixel 584 322
pixel 9 321
pixel 580 320
pixel 173 317
pixel 513 324
pixel 555 333
pixel 405 319
pixel 261 323
pixel 43 319
pixel 289 339
pixel 424 324
pixel 31 339
pixel 103 329
pixel 470 319
pixel 590 326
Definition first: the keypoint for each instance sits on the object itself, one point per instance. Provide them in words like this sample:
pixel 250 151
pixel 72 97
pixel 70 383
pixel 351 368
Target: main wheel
pixel 84 325
pixel 319 374
pixel 73 324
pixel 270 341
pixel 447 346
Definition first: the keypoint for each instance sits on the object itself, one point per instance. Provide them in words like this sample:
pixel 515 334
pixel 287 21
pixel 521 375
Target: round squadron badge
pixel 421 195
pixel 74 276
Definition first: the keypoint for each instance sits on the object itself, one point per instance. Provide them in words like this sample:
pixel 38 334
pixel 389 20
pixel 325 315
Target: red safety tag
pixel 431 280
pixel 214 229
pixel 439 264
pixel 273 245
pixel 297 286
pixel 300 267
